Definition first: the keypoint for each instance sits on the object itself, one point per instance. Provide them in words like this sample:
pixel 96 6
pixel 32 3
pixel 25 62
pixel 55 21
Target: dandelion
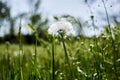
pixel 61 27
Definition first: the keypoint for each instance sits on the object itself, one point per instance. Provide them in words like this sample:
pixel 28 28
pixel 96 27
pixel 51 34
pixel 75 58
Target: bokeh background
pixel 42 13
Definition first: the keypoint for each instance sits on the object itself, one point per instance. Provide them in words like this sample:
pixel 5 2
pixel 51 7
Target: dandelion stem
pixel 66 55
pixel 53 76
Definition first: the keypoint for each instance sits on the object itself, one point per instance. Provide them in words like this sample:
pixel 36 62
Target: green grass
pixel 90 59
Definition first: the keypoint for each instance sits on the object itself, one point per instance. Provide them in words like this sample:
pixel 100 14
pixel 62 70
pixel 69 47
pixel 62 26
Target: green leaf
pixel 32 27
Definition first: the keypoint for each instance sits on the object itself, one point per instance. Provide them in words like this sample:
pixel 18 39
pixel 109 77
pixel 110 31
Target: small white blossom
pixel 61 27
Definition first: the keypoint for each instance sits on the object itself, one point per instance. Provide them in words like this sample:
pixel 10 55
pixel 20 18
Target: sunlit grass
pixel 88 61
pixel 80 55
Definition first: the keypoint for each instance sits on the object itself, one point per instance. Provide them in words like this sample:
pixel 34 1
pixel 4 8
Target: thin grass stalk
pixel 3 68
pixel 107 18
pixel 103 59
pixel 8 60
pixel 66 56
pixel 35 57
pixel 53 61
pixel 92 18
pixel 3 71
pixel 112 39
pixel 89 7
pixel 96 45
pixel 97 50
pixel 36 71
pixel 95 39
pixel 88 77
pixel 20 51
pixel 96 67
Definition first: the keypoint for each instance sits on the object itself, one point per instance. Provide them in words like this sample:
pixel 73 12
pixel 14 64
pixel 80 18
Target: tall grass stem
pixel 112 39
pixel 20 51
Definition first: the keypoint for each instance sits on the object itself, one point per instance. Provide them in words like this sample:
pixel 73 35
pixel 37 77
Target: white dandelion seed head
pixel 61 27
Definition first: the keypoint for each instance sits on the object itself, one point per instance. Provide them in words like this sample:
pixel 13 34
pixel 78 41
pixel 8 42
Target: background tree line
pixel 34 18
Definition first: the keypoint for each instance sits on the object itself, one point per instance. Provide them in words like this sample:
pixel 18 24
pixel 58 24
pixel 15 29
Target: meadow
pixel 62 57
pixel 93 58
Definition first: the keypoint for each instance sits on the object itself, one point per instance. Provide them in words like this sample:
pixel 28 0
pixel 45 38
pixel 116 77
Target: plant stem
pixel 113 43
pixel 35 57
pixel 67 58
pixel 98 62
pixel 53 51
pixel 20 51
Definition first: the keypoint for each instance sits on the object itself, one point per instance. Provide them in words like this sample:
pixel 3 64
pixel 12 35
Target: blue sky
pixel 76 8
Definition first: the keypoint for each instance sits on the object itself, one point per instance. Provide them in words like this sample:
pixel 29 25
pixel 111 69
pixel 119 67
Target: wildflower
pixel 61 27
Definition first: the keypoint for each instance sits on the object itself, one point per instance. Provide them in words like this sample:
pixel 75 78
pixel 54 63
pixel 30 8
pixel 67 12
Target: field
pixel 32 49
pixel 95 58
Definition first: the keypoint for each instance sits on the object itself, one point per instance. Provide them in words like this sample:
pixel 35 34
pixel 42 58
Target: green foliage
pixel 4 11
pixel 95 58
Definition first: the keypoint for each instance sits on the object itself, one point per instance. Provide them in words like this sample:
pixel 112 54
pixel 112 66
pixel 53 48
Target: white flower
pixel 61 27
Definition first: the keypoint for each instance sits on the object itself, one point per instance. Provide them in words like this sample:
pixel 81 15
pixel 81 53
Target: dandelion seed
pixel 61 27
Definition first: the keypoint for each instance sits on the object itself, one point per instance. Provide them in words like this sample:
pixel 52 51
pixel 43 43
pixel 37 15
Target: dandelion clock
pixel 61 27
